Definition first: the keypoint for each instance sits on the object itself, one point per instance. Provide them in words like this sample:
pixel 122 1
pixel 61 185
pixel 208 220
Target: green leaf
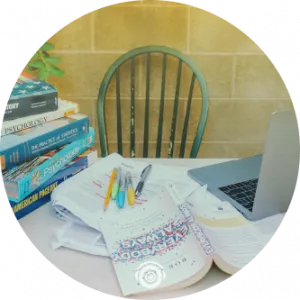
pixel 56 71
pixel 37 64
pixel 52 60
pixel 36 55
pixel 43 74
pixel 31 69
pixel 47 46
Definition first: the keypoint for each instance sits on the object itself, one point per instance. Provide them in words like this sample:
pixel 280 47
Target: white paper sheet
pixel 80 238
pixel 83 195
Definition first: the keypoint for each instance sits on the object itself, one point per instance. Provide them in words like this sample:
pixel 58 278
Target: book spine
pixel 50 167
pixel 25 77
pixel 46 142
pixel 42 195
pixel 10 127
pixel 91 154
pixel 31 105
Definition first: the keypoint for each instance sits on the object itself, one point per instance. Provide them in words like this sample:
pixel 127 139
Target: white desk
pixel 94 271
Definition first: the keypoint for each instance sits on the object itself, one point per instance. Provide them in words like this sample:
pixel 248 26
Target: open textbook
pixel 80 199
pixel 169 240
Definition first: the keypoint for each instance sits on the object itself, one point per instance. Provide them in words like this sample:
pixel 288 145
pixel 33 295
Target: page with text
pixel 83 195
pixel 235 239
pixel 152 246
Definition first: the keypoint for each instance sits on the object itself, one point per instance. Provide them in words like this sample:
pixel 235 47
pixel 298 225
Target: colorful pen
pixel 122 192
pixel 130 190
pixel 109 189
pixel 115 188
pixel 144 176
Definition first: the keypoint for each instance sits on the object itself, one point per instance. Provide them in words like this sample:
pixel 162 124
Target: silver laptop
pixel 262 185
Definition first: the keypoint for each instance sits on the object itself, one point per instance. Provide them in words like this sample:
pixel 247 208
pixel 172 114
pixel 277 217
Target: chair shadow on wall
pixel 145 102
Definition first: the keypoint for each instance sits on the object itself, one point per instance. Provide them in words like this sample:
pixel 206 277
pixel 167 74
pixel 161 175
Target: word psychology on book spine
pixel 65 108
pixel 29 97
pixel 21 181
pixel 32 142
pixel 42 195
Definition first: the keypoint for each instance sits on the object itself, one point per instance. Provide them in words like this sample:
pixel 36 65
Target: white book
pixel 163 246
pixel 65 108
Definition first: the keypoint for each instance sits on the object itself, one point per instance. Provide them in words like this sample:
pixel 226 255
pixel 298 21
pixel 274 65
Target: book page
pixel 236 246
pixel 83 195
pixel 211 211
pixel 152 246
pixel 235 239
pixel 81 238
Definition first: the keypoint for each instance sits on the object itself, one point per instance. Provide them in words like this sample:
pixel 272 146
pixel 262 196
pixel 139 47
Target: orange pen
pixel 111 182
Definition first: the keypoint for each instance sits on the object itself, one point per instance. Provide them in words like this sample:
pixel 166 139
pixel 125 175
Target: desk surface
pixel 94 271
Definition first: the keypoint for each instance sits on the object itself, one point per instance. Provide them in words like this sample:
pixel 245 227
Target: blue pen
pixel 122 191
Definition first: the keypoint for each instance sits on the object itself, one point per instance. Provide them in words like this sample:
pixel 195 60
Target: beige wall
pixel 243 84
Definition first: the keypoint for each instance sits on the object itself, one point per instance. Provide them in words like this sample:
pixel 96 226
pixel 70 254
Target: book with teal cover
pixel 22 180
pixel 30 96
pixel 32 142
pixel 42 195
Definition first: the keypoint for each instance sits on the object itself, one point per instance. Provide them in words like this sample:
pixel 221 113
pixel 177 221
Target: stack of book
pixel 44 141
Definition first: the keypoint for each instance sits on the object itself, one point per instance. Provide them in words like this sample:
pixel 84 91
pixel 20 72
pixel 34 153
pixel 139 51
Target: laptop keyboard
pixel 242 192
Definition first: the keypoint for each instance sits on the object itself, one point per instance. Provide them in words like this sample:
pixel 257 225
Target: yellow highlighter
pixel 109 189
pixel 116 185
pixel 130 190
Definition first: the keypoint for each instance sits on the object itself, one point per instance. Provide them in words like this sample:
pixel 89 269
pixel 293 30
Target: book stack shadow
pixel 44 141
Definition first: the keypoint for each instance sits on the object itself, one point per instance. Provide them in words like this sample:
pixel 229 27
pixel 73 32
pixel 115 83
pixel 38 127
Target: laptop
pixel 262 185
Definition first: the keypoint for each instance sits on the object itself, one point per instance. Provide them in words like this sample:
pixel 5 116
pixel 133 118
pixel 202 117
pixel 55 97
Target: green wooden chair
pixel 131 57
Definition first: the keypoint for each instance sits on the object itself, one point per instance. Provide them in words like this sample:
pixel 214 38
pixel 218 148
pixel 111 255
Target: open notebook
pixel 171 237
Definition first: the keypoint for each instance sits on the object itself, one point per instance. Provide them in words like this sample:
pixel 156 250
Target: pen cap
pixel 131 196
pixel 121 199
pixel 115 190
pixel 130 190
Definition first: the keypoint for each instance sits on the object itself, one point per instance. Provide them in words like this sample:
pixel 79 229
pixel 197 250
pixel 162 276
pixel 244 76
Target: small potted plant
pixel 42 64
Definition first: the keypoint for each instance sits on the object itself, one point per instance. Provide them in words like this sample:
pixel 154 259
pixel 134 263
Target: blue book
pixel 22 180
pixel 32 142
pixel 30 97
pixel 43 194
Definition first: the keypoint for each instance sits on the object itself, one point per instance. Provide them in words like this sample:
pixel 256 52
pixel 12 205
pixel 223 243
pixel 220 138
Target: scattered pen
pixel 144 176
pixel 122 192
pixel 116 185
pixel 130 190
pixel 111 182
